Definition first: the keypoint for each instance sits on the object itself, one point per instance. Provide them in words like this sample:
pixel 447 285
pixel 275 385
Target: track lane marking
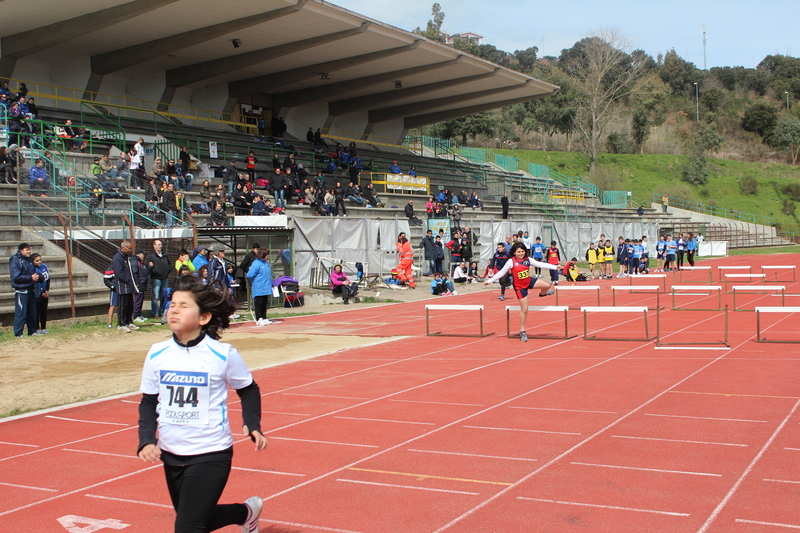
pixel 421 477
pixel 678 440
pixel 707 418
pixel 474 455
pixel 580 504
pixel 306 526
pixel 125 500
pixel 566 410
pixel 523 430
pixel 739 395
pixel 412 487
pixel 323 442
pixel 384 420
pixel 439 403
pixel 659 470
pixel 276 472
pixel 86 421
pixel 67 443
pixel 20 444
pixel 759 523
pixel 27 487
pixel 782 481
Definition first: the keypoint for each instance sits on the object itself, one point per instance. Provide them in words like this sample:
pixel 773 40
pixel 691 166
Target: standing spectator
pixel 200 257
pixel 412 171
pixel 251 256
pixel 504 204
pixel 553 258
pixel 339 201
pixel 665 202
pixel 261 125
pixel 260 277
pixel 310 136
pixel 159 266
pixel 428 246
pixel 38 179
pixel 251 166
pixel 468 240
pixel 126 287
pixel 229 178
pixel 168 204
pixel 23 281
pixel 455 250
pixel 412 217
pixel 42 291
pixel 185 158
pixel 281 186
pixel 140 274
pixel 217 269
pixel 395 168
pixel 438 255
pixel 691 248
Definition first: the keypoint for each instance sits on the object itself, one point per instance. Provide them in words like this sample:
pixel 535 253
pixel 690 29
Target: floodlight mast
pixel 704 49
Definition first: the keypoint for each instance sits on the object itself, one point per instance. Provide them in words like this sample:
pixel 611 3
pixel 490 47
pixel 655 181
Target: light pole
pixel 696 103
pixel 787 99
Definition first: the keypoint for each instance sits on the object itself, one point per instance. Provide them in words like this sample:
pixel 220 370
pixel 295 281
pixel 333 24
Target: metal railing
pixel 574 182
pixel 715 211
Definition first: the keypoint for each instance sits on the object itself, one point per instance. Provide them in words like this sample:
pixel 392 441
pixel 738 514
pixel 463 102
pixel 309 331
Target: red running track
pixel 429 434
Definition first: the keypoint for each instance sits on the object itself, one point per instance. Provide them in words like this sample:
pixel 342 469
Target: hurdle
pixel 760 310
pixel 429 308
pixel 634 289
pixel 724 342
pixel 694 269
pixel 698 290
pixel 540 309
pixel 730 278
pixel 649 276
pixel 721 274
pixel 579 288
pixel 758 288
pixel 587 310
pixel 793 268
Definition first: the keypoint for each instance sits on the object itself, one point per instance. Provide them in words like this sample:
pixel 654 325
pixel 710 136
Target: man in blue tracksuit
pixel 23 280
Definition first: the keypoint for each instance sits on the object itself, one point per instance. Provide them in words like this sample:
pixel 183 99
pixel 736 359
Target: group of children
pixel 632 255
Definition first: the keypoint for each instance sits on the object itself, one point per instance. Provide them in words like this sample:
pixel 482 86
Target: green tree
pixel 708 138
pixel 468 126
pixel 640 128
pixel 760 118
pixel 551 115
pixel 433 30
pixel 786 136
pixel 527 58
pixel 712 99
pixel 678 73
pixel 696 169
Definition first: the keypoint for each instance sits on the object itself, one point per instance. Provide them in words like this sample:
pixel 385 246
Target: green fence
pixel 615 198
pixel 716 211
pixel 507 162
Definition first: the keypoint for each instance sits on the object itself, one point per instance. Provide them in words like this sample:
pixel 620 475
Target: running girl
pixel 184 387
pixel 520 268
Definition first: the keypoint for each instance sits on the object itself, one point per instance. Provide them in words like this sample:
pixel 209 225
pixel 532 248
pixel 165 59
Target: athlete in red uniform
pixel 404 270
pixel 520 267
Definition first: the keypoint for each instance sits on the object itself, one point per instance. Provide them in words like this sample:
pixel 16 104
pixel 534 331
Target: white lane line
pixel 85 421
pixel 68 443
pixel 266 471
pixel 793 449
pixel 602 506
pixel 708 418
pixel 782 481
pixel 758 523
pixel 408 487
pixel 383 420
pixel 691 348
pixel 273 412
pixel 566 410
pixel 679 440
pixel 102 453
pixel 130 401
pixel 97 496
pixel 324 442
pixel 19 444
pixel 475 455
pixel 306 526
pixel 104 482
pixel 440 403
pixel 322 396
pixel 27 487
pixel 523 430
pixel 649 469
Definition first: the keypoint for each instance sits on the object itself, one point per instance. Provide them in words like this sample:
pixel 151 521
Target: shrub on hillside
pixel 788 207
pixel 792 190
pixel 749 185
pixel 617 143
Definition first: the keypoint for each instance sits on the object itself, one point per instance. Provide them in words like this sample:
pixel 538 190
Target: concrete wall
pixel 702 218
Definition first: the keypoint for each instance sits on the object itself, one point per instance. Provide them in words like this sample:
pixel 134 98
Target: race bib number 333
pixel 183 397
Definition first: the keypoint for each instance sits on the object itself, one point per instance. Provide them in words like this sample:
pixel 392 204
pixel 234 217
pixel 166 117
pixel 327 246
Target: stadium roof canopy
pixel 308 60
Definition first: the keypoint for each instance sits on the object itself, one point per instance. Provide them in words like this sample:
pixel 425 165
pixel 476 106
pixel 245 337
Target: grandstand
pixel 108 67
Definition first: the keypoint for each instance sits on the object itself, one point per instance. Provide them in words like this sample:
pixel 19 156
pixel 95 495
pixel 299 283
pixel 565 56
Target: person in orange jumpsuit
pixel 404 271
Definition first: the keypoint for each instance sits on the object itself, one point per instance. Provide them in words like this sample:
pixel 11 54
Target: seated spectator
pixel 276 162
pixel 38 179
pixel 151 191
pixel 157 170
pixel 341 284
pixel 240 204
pixel 395 168
pixel 460 273
pixel 205 192
pixel 463 197
pixel 412 171
pixel 473 274
pixel 106 165
pixel 259 206
pixel 75 133
pixel 371 196
pixel 310 136
pixel 121 171
pixel 218 216
pixel 441 286
pixel 96 170
pixel 5 91
pixel 33 111
pixel 182 177
pixel 318 140
pixel 5 104
pixel 412 217
pixel 474 202
pixel 352 193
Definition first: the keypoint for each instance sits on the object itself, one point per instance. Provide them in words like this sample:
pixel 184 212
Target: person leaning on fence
pixel 341 284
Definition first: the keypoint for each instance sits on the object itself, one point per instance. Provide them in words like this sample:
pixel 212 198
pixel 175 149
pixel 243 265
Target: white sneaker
pixel 133 326
pixel 234 316
pixel 126 329
pixel 140 319
pixel 254 506
pixel 454 293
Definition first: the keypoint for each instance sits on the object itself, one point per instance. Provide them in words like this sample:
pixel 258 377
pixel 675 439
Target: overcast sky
pixel 739 32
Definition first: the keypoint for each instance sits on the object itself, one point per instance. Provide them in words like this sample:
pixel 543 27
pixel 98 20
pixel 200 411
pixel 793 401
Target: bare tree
pixel 603 73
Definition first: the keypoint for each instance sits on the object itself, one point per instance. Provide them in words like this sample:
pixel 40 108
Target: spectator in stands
pixel 428 245
pixel 261 125
pixel 474 202
pixel 504 204
pixel 352 193
pixel 136 171
pixel 412 171
pixel 412 217
pixel 121 171
pixel 229 177
pixel 310 136
pixel 250 165
pixel 75 133
pixel 5 91
pixel 158 266
pixel 15 119
pixel 289 162
pixel 280 186
pixel 371 196
pixel 38 179
pixel 157 170
pixel 23 91
pixel 463 197
pixel 23 280
pixel 32 109
pixel 340 209
pixel 395 168
pixel 218 216
pixel 183 156
pixel 5 104
pixel 205 192
pixel 241 205
pixel 456 215
pixel 341 284
pixel 330 201
pixel 319 181
pixel 318 140
pixel 259 206
pixel 276 162
pixel 169 204
pixel 126 287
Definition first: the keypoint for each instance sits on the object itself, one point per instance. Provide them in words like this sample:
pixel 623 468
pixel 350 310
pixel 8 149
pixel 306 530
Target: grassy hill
pixel 649 174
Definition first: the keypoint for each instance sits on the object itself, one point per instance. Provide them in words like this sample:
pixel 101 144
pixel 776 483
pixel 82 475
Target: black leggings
pixel 41 313
pixel 195 490
pixel 339 208
pixel 260 306
pixel 680 258
pixel 690 257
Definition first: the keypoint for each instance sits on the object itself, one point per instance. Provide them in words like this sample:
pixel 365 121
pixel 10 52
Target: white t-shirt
pixel 192 386
pixel 458 272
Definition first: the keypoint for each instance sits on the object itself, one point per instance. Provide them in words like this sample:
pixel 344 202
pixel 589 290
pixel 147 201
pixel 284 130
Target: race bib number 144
pixel 183 397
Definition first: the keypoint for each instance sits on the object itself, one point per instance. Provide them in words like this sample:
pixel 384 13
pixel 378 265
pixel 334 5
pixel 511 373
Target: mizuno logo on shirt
pixel 189 378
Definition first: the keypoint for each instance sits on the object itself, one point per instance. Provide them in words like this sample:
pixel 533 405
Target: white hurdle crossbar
pixel 721 274
pixel 731 278
pixel 540 309
pixel 793 268
pixel 637 288
pixel 758 288
pixel 429 308
pixel 560 288
pixel 695 269
pixel 651 277
pixel 643 310
pixel 760 310
pixel 723 342
pixel 696 290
